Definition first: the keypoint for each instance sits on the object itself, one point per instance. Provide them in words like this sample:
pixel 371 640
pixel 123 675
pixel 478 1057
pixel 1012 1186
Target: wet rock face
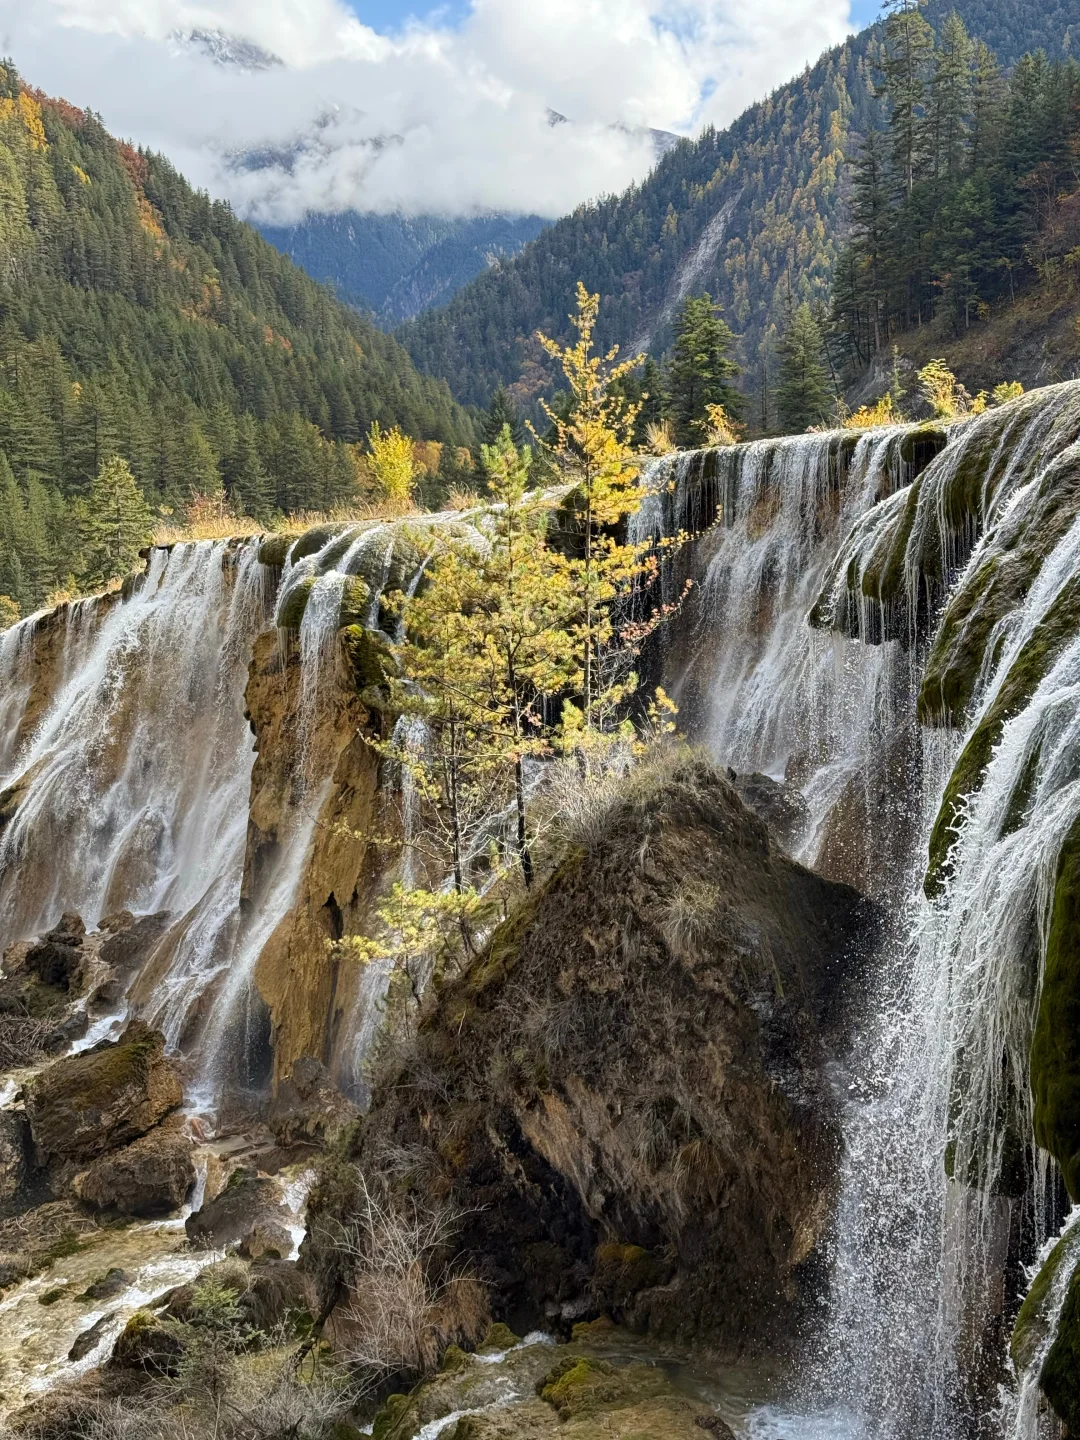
pixel 308 1108
pixel 57 957
pixel 152 1176
pixel 85 1105
pixel 542 1389
pixel 629 1090
pixel 14 1154
pixel 305 988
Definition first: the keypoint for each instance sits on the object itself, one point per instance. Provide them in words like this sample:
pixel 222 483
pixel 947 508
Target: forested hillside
pixel 398 265
pixel 756 215
pixel 139 319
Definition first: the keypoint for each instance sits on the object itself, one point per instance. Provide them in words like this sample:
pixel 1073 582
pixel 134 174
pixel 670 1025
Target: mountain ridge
pixel 782 168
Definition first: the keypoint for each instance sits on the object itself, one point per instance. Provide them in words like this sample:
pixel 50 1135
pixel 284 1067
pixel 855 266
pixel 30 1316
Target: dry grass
pixel 406 1304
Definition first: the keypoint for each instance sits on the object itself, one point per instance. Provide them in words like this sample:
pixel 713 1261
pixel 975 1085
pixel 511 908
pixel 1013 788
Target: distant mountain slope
pixel 398 265
pixel 750 214
pixel 140 319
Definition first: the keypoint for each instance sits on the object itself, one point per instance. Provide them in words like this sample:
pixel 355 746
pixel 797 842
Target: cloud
pixel 438 118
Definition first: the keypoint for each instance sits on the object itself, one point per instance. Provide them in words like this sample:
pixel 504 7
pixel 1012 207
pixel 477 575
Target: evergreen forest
pixel 140 319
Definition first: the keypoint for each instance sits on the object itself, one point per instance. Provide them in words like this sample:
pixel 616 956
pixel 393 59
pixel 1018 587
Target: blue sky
pixel 389 15
pixel 392 14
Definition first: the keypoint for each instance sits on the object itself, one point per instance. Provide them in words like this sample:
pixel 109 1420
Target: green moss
pixel 454 1361
pixel 499 1337
pixel 274 551
pixel 1060 1378
pixel 370 659
pixel 355 602
pixel 68 1244
pixel 579 1385
pixel 598 1329
pixel 291 611
pixel 313 540
pixel 955 660
pixel 920 445
pixel 389 1418
pixel 91 1081
pixel 1031 1326
pixel 1028 670
pixel 1055 1050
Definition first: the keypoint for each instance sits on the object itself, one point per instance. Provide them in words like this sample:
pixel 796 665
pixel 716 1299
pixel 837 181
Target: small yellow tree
pixel 593 448
pixel 393 464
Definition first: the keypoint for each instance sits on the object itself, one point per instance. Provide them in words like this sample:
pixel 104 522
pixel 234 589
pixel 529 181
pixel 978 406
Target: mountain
pixel 753 214
pixel 139 318
pixel 394 265
pixel 398 265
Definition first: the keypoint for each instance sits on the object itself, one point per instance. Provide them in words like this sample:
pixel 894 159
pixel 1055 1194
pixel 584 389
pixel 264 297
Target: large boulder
pixel 627 1095
pixel 149 1177
pixel 250 1201
pixel 85 1105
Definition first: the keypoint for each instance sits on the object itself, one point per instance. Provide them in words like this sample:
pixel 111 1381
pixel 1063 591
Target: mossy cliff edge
pixel 626 1092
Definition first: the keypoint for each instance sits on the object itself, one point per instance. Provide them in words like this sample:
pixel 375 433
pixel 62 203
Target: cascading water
pixel 761 688
pixel 943 1189
pixel 136 777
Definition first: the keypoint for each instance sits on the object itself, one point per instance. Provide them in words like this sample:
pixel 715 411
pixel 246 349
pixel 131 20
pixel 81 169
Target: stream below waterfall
pixel 123 733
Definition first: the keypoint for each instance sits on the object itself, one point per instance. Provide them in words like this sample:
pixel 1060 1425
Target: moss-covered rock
pixel 996 583
pixel 1055 1050
pixel 1034 1320
pixel 294 602
pixel 315 539
pixel 146 1343
pixel 634 975
pixel 355 602
pixel 85 1105
pixel 369 656
pixel 387 1424
pixel 498 1337
pixel 273 552
pixel 1028 670
pixel 1060 1378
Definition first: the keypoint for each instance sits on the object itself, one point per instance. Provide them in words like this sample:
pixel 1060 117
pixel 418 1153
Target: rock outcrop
pixel 626 1094
pixel 152 1176
pixel 300 981
pixel 85 1105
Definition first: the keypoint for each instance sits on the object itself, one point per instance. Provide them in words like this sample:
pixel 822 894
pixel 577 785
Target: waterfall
pixel 134 782
pixel 943 1190
pixel 762 689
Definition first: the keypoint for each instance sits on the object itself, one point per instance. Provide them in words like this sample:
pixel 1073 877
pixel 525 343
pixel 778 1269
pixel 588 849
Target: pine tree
pixel 701 371
pixel 803 394
pixel 872 221
pixel 987 106
pixel 653 402
pixel 502 412
pixel 950 98
pixel 116 524
pixel 909 46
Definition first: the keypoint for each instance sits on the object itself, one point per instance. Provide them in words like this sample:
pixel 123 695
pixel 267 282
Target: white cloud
pixel 433 119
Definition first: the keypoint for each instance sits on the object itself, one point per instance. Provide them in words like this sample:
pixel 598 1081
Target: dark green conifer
pixel 701 371
pixel 803 393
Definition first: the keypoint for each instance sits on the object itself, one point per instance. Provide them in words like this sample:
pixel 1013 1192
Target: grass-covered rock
pixel 625 1092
